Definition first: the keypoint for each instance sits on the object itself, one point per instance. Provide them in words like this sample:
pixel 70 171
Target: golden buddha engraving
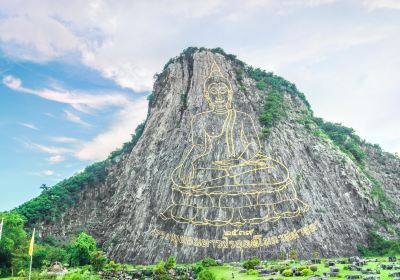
pixel 224 179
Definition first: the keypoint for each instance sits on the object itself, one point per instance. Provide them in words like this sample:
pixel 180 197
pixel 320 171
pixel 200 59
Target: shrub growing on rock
pixel 197 268
pixel 293 254
pixel 287 273
pixel 205 275
pixel 113 266
pixel 207 262
pixel 252 263
pixel 306 272
pixel 159 269
pixel 165 277
pixel 302 267
pixel 252 272
pixel 171 263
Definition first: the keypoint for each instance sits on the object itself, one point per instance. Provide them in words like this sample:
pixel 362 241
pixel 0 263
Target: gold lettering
pixel 256 241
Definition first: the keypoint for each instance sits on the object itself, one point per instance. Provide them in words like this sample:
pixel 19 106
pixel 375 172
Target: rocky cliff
pixel 258 177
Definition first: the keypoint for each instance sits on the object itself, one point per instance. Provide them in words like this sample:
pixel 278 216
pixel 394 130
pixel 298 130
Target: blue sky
pixel 74 75
pixel 44 139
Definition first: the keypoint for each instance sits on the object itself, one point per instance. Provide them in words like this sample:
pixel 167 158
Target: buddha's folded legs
pixel 252 192
pixel 224 200
pixel 261 171
pixel 235 216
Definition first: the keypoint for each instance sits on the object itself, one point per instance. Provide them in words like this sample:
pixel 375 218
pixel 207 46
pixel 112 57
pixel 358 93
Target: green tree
pixel 14 244
pixel 82 249
pixel 171 263
pixel 293 254
pixel 207 262
pixel 252 263
pixel 98 260
pixel 205 275
pixel 113 266
pixel 160 268
pixel 44 188
pixel 282 255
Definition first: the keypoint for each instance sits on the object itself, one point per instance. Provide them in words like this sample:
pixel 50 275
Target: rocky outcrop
pixel 123 211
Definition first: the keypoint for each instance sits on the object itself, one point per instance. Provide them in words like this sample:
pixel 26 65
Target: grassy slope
pixel 225 272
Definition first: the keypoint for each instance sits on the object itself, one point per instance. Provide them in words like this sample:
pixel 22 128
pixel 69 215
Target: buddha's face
pixel 218 94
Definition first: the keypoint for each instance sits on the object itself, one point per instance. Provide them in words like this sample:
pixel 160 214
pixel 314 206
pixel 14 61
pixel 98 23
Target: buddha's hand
pixel 227 163
pixel 186 177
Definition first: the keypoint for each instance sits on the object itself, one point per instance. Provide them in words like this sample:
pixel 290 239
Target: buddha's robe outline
pixel 223 181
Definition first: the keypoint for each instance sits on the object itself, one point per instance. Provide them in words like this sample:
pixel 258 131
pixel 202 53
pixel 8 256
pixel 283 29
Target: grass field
pixel 228 272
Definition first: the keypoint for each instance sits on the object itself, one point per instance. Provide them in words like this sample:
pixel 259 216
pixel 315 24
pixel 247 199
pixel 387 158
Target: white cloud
pixel 129 114
pixel 43 173
pixel 55 159
pixel 302 40
pixel 75 118
pixel 47 172
pixel 49 149
pixel 46 37
pixel 63 139
pixel 12 82
pixel 49 115
pixel 81 101
pixel 315 3
pixel 119 132
pixel 382 4
pixel 29 125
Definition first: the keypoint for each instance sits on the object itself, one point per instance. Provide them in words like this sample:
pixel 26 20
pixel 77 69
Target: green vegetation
pixel 79 252
pixel 274 110
pixel 82 252
pixel 207 262
pixel 191 50
pixel 304 271
pixel 275 82
pixel 128 146
pixel 344 137
pixel 14 244
pixel 252 272
pixel 287 273
pixel 52 202
pixel 205 275
pixel 261 85
pixel 351 144
pixel 171 263
pixel 274 106
pixel 252 263
pixel 160 269
pixel 377 246
pixel 183 101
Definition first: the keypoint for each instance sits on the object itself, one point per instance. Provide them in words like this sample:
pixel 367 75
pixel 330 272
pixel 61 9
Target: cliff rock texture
pixel 208 178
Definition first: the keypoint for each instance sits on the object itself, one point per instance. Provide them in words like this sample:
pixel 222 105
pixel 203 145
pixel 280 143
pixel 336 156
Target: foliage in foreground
pixel 14 243
pixel 80 251
pixel 252 263
pixel 378 246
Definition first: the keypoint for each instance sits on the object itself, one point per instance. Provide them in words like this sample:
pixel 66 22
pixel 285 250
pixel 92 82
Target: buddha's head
pixel 217 90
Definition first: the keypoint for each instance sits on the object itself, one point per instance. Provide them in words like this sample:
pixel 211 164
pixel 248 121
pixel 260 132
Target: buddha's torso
pixel 215 130
pixel 214 123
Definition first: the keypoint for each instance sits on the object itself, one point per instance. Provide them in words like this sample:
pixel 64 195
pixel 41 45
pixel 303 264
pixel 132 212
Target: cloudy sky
pixel 74 75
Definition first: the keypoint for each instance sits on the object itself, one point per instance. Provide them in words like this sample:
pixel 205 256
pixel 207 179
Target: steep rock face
pixel 123 212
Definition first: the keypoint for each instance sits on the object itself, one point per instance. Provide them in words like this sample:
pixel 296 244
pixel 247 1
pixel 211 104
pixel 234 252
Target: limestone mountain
pixel 230 163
